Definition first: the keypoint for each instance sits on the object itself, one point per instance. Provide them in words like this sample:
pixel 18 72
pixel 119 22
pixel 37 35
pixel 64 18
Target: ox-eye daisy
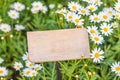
pixel 37 67
pixel 110 10
pixel 3 71
pixel 29 64
pixel 117 15
pixel 44 9
pixel 69 16
pixel 114 24
pixel 37 5
pixel 106 29
pixel 19 6
pixel 83 11
pixel 97 55
pixel 1 60
pixel 19 27
pixel 5 27
pixel 13 14
pixel 105 16
pixel 116 67
pixel 27 72
pixel 62 11
pixel 73 6
pixel 18 65
pixel 92 30
pixel 34 10
pixel 117 6
pixel 25 56
pixel 98 39
pixel 33 73
pixel 92 7
pixel 94 18
pixel 77 20
pixel 97 2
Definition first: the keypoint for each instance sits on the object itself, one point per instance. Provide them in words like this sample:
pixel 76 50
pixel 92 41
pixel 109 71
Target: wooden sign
pixel 57 45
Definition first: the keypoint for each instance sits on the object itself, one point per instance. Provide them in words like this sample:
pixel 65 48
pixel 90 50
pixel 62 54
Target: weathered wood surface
pixel 57 45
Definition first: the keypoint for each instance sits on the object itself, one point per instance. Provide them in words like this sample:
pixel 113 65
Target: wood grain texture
pixel 57 45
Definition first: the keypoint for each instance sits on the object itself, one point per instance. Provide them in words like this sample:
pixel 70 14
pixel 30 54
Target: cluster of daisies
pixel 100 23
pixel 37 6
pixel 29 69
pixel 3 70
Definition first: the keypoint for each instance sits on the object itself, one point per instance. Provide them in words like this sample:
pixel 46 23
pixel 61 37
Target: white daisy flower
pixel 1 60
pixel 19 6
pixel 97 2
pixel 105 16
pixel 83 11
pixel 3 71
pixel 62 11
pixel 25 56
pixel 92 30
pixel 97 55
pixel 19 27
pixel 106 29
pixel 92 7
pixel 98 39
pixel 33 73
pixel 95 18
pixel 37 67
pixel 51 6
pixel 5 28
pixel 18 65
pixel 73 6
pixel 88 1
pixel 44 9
pixel 34 10
pixel 116 67
pixel 114 24
pixel 117 15
pixel 77 20
pixel 69 16
pixel 27 72
pixel 29 64
pixel 110 10
pixel 37 5
pixel 13 14
pixel 117 6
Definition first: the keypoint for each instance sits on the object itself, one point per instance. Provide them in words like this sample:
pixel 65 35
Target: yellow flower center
pixel 96 38
pixel 4 28
pixel 19 7
pixel 96 18
pixel 18 66
pixel 96 2
pixel 37 6
pixel 105 29
pixel 42 10
pixel 77 20
pixel 105 16
pixel 33 73
pixel 69 17
pixel 28 72
pixel 119 8
pixel 92 31
pixel 97 55
pixel 91 8
pixel 110 12
pixel 13 15
pixel 117 16
pixel 61 12
pixel 1 71
pixel 30 64
pixel 83 11
pixel 74 7
pixel 117 68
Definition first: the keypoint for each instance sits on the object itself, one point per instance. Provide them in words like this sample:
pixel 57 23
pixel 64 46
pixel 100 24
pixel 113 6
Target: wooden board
pixel 57 45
